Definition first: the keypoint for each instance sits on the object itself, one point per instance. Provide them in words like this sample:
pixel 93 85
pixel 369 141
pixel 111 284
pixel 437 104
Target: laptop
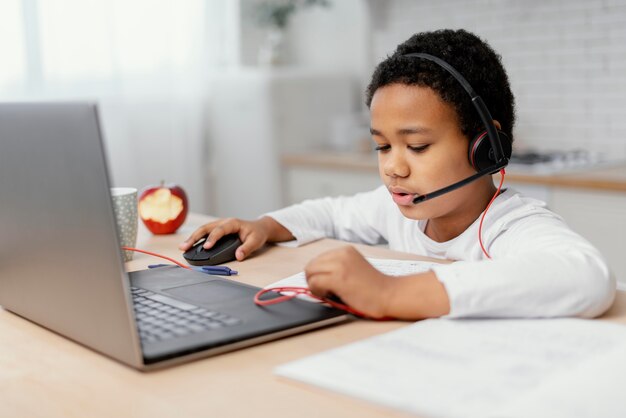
pixel 61 265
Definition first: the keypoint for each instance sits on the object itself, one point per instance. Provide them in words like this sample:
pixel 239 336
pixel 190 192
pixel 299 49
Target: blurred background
pixel 254 104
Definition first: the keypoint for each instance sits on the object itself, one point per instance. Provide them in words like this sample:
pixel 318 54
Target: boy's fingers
pixel 321 264
pixel 320 284
pixel 225 228
pixel 195 236
pixel 251 243
pixel 198 234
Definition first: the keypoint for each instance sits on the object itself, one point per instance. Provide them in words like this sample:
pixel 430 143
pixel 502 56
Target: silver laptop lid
pixel 60 262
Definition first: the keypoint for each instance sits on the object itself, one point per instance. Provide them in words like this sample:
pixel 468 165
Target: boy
pixel 523 261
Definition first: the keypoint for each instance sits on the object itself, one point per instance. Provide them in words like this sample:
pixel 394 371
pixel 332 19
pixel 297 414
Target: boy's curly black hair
pixel 470 56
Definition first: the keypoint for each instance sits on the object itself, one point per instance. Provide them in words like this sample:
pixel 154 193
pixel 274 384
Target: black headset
pixel 486 157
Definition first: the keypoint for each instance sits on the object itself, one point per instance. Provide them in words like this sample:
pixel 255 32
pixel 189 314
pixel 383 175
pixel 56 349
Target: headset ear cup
pixel 481 156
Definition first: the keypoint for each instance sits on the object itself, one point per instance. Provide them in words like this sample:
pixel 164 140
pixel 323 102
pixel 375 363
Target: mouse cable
pixel 296 291
pixel 157 255
pixel 480 227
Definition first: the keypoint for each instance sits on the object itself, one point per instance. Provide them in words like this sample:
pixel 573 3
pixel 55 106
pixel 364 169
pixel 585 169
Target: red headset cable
pixel 480 226
pixel 296 290
pixel 157 255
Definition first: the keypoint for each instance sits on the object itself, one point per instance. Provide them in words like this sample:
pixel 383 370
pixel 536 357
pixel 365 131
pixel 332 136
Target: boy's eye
pixel 382 147
pixel 421 148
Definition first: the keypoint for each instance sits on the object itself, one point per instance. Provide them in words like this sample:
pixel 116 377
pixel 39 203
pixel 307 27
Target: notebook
pixel 471 368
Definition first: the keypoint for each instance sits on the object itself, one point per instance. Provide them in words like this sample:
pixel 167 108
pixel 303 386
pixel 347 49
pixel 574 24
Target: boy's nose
pixel 396 166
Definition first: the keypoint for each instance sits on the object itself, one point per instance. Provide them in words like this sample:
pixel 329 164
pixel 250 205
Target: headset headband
pixel 478 103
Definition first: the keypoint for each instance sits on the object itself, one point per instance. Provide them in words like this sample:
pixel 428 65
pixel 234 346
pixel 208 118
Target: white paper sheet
pixel 387 266
pixel 482 368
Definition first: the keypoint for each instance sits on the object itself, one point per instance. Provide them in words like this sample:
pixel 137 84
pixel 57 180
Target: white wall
pixel 334 38
pixel 331 39
pixel 566 60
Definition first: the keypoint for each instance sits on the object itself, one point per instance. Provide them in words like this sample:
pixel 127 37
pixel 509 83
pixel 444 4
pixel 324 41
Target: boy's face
pixel 421 149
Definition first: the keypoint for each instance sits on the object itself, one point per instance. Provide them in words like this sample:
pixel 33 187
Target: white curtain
pixel 144 61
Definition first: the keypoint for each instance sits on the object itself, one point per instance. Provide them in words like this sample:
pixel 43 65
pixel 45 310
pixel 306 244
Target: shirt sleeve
pixel 539 268
pixel 358 218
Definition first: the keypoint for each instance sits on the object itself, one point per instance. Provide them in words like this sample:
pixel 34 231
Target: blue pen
pixel 216 270
pixel 220 270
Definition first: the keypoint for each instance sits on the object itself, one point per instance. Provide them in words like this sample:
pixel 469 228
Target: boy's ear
pixel 497 124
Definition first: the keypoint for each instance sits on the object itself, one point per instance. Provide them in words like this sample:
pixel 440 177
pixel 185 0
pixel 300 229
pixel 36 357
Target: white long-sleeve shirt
pixel 539 267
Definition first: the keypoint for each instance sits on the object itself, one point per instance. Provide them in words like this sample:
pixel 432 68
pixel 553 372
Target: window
pixel 12 51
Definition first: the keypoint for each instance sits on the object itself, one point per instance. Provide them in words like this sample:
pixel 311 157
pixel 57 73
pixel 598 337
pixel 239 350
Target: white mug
pixel 125 208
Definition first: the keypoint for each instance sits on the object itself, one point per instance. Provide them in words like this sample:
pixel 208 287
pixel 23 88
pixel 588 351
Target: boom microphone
pixel 489 170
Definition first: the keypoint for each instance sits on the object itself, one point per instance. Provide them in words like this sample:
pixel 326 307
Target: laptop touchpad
pixel 209 292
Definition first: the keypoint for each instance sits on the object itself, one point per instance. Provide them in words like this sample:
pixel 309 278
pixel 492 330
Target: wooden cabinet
pixel 599 216
pixel 537 191
pixel 310 183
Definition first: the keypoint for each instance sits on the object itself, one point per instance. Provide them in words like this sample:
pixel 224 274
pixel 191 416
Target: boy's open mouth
pixel 403 198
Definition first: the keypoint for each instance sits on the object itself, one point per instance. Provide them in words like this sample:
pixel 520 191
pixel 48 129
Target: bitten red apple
pixel 163 208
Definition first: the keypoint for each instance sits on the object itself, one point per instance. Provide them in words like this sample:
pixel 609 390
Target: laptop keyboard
pixel 161 318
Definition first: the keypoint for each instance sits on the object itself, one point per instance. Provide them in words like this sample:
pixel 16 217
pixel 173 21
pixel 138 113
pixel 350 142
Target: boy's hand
pixel 347 274
pixel 253 234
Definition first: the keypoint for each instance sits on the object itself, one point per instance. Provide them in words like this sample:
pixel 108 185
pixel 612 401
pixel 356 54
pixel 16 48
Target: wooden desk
pixel 45 375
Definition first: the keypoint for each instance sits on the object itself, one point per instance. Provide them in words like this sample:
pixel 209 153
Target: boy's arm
pixel 539 268
pixel 358 218
pixel 417 296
